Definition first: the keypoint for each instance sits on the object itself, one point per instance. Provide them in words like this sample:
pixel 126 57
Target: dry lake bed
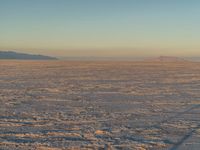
pixel 54 105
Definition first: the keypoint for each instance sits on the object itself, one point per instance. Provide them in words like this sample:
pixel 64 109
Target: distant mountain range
pixel 23 56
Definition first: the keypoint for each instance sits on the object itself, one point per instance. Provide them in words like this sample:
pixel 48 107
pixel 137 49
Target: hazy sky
pixel 101 27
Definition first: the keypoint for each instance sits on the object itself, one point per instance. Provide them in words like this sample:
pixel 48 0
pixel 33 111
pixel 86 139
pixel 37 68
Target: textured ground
pixel 99 105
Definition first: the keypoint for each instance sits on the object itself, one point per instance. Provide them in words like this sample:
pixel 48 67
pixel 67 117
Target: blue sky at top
pixel 136 27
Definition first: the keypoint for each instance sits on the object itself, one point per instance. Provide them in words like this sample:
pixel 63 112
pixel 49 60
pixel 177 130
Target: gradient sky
pixel 101 27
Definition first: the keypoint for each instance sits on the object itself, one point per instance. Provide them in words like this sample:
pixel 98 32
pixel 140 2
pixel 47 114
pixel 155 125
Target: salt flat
pixel 99 105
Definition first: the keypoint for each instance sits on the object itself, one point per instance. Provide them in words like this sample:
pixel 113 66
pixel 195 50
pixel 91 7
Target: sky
pixel 101 28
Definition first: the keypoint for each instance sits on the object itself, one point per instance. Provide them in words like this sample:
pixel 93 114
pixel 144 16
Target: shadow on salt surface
pixel 177 115
pixel 178 144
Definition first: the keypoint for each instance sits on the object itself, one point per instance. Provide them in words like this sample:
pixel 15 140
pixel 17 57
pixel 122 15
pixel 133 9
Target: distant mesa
pixel 167 59
pixel 23 56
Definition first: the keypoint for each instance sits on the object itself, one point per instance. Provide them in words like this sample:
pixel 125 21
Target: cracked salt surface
pixel 99 105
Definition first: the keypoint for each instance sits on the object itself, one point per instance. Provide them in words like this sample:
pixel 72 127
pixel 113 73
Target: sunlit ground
pixel 91 105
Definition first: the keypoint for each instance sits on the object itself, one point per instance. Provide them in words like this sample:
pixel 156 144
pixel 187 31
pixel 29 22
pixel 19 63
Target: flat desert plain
pixel 58 105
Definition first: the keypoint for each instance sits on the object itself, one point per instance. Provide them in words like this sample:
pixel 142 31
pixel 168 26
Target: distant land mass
pixel 23 56
pixel 167 59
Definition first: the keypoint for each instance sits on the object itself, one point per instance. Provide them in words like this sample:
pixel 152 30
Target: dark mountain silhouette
pixel 23 56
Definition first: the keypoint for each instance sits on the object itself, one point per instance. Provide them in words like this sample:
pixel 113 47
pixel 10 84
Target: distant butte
pixel 166 59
